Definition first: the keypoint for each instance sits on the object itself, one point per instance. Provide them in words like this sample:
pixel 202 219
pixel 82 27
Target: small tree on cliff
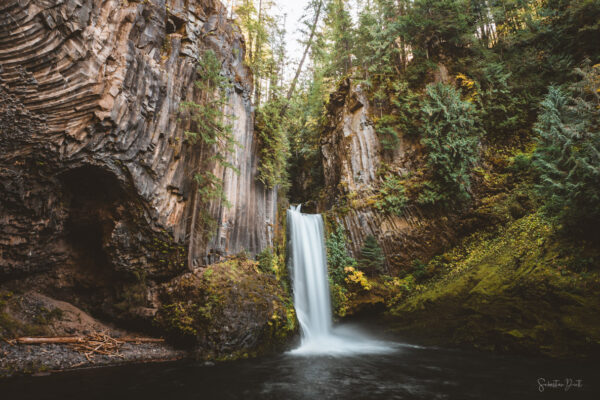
pixel 372 259
pixel 212 126
pixel 211 129
pixel 338 257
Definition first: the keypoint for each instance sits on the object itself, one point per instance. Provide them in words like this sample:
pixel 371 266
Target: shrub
pixel 419 270
pixel 266 261
pixel 356 279
pixel 393 196
pixel 520 164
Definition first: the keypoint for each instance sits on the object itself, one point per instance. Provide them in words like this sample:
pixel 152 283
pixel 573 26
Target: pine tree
pixel 340 38
pixel 212 131
pixel 212 126
pixel 372 259
pixel 451 136
pixel 439 29
pixel 568 154
pixel 260 28
pixel 338 257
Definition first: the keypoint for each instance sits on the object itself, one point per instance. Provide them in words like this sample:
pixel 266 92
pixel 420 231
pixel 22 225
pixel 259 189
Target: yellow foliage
pixel 469 85
pixel 354 276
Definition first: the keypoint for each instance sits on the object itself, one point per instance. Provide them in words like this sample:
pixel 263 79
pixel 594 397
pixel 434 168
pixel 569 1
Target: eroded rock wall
pixel 98 205
pixel 92 138
pixel 351 150
pixel 352 160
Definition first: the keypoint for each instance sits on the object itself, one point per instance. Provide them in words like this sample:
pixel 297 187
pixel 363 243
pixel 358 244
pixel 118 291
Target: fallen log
pixel 49 340
pixel 79 339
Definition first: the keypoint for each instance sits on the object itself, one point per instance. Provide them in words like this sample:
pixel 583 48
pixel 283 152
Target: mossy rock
pixel 514 291
pixel 228 310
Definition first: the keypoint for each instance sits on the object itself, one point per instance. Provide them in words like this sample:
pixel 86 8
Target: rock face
pixel 351 149
pixel 91 134
pixel 352 156
pixel 98 200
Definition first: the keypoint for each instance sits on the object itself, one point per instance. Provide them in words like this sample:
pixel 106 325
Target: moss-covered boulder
pixel 228 310
pixel 523 289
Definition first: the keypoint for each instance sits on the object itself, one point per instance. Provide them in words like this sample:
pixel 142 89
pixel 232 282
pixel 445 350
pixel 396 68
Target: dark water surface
pixel 409 372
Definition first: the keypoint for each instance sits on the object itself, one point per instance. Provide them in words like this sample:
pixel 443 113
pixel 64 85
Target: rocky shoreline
pixel 18 359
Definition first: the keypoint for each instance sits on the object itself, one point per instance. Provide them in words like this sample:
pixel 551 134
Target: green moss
pixel 45 316
pixel 180 318
pixel 11 327
pixel 218 308
pixel 512 290
pixel 132 294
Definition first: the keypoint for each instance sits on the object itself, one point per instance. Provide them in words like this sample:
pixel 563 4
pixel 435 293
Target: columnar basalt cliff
pixel 98 197
pixel 352 158
pixel 351 149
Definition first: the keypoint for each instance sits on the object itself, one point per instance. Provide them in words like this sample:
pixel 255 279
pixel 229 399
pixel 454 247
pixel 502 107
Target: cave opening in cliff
pixel 93 196
pixel 174 24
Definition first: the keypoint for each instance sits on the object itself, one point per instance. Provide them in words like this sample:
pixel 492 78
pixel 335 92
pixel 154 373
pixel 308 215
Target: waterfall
pixel 309 275
pixel 311 292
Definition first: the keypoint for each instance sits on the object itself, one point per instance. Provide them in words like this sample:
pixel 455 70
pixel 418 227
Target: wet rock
pixel 351 149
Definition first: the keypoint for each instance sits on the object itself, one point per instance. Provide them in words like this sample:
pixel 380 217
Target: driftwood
pixel 45 340
pixel 79 339
pixel 89 346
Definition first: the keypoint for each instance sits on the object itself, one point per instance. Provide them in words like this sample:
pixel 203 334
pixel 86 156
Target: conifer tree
pixel 568 154
pixel 212 131
pixel 338 257
pixel 340 38
pixel 372 259
pixel 451 136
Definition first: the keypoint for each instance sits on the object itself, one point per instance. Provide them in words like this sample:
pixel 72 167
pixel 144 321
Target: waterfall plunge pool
pixel 408 372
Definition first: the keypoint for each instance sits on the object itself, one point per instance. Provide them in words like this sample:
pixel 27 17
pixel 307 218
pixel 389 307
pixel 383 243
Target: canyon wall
pixel 98 205
pixel 353 158
pixel 93 155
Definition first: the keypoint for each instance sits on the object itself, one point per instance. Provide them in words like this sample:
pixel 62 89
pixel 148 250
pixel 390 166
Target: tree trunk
pixel 313 30
pixel 257 60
